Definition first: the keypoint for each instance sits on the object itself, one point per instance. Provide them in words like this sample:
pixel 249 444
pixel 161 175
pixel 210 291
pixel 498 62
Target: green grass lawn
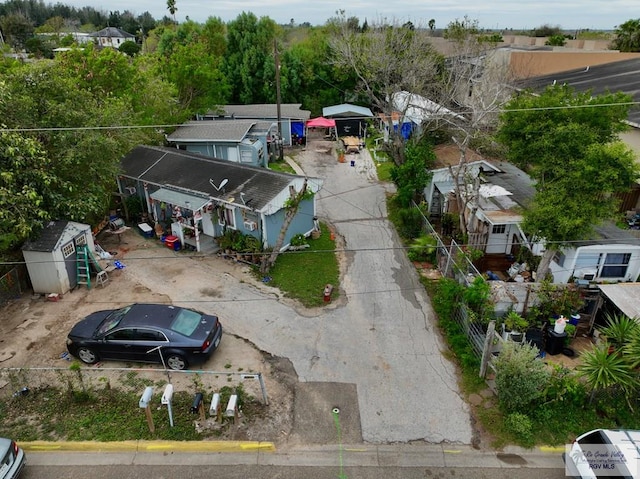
pixel 303 274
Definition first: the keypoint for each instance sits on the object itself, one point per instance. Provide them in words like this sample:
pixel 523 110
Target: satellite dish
pixel 222 184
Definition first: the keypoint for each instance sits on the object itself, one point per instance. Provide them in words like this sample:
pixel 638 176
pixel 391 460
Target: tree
pixel 567 142
pixel 171 6
pixel 627 36
pixel 16 29
pixel 191 57
pixel 432 24
pixel 250 49
pixel 291 208
pixel 412 177
pixel 129 48
pixel 475 81
pixel 26 189
pixel 386 60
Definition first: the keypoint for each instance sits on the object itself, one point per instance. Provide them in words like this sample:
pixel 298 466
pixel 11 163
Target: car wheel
pixel 176 362
pixel 87 356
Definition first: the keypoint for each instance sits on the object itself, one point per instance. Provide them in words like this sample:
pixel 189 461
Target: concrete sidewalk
pixel 230 453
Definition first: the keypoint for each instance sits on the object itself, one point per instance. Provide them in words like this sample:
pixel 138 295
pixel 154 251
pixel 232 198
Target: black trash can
pixel 555 342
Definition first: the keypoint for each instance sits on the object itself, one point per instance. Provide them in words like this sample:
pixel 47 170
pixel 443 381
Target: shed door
pixel 69 254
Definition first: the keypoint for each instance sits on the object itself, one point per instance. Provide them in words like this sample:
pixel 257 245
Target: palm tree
pixel 602 371
pixel 619 330
pixel 171 6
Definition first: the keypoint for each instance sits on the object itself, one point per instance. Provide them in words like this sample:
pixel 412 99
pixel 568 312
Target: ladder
pixel 83 274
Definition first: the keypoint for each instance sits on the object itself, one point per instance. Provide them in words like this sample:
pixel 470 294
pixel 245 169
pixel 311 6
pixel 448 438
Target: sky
pixel 491 14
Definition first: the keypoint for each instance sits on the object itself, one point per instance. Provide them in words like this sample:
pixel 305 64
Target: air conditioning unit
pixel 588 274
pixel 250 225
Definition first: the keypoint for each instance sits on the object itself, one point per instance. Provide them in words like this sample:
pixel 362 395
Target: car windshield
pixel 186 322
pixel 112 320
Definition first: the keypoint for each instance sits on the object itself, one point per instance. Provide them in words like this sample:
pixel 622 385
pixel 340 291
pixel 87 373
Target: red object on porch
pixel 172 242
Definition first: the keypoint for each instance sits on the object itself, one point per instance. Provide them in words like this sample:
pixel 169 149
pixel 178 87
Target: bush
pixel 521 427
pixel 410 222
pixel 520 378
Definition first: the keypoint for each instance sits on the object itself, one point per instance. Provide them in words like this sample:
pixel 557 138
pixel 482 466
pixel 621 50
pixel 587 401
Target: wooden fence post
pixel 486 349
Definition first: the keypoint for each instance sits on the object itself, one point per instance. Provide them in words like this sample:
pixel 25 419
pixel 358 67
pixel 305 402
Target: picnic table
pixel 351 144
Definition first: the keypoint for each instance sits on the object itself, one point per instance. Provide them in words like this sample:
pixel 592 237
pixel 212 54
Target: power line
pixel 355 117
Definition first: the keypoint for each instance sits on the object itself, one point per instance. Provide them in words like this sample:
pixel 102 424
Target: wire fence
pixel 10 286
pixel 452 260
pixel 21 381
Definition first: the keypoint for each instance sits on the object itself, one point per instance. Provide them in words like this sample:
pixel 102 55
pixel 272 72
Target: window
pixel 68 249
pixel 615 265
pixel 559 258
pixel 498 229
pixel 227 217
pixel 148 335
pixel 246 156
pixel 81 240
pixel 120 335
pixel 186 322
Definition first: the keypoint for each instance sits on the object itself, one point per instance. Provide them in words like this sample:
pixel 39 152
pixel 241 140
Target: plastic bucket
pixel 559 325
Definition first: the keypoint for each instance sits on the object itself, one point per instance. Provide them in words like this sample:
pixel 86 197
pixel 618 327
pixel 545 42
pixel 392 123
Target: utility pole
pixel 278 100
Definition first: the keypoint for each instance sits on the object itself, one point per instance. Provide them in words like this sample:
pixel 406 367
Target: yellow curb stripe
pixel 452 451
pixel 552 448
pixel 149 446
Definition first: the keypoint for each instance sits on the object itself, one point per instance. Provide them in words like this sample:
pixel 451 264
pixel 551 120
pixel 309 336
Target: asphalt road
pixel 355 462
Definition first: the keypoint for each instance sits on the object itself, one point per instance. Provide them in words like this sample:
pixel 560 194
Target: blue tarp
pixel 297 128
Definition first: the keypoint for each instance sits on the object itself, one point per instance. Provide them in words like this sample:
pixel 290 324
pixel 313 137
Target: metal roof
pixel 622 76
pixel 625 296
pixel 184 200
pixel 233 131
pixel 346 110
pixel 262 111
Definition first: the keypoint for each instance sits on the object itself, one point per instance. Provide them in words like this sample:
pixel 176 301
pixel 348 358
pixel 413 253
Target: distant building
pixel 112 37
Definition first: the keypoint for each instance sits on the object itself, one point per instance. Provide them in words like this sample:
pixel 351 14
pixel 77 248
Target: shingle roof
pixel 260 111
pixel 112 32
pixel 223 130
pixel 622 76
pixel 191 172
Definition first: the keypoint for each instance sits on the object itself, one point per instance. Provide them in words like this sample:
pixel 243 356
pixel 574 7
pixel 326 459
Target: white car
pixel 604 453
pixel 13 459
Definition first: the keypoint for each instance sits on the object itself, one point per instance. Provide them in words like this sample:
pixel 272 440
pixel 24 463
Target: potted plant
pixel 341 154
pixel 515 325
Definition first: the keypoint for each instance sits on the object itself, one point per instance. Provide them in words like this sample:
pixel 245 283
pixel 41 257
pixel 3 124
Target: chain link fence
pixel 20 381
pixel 11 286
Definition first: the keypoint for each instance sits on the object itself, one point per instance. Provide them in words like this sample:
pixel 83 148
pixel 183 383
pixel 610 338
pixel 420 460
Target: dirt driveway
pixel 33 329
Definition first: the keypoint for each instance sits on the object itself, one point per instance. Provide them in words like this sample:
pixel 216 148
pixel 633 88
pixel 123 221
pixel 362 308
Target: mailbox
pixel 215 404
pixel 146 397
pixel 232 405
pixel 197 402
pixel 168 394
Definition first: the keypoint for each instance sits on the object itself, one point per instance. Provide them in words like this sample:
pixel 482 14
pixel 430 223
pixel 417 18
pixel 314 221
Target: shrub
pixel 521 427
pixel 520 378
pixel 410 222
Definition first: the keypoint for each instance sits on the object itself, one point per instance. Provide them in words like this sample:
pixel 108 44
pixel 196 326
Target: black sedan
pixel 151 333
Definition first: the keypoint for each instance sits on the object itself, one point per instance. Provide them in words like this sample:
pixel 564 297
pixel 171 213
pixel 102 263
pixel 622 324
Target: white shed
pixel 51 258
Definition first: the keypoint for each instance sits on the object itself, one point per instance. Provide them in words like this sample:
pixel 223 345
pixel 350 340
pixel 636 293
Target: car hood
pixel 88 326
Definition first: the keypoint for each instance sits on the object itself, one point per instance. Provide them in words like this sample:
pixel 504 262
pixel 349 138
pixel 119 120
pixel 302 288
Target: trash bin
pixel 555 342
